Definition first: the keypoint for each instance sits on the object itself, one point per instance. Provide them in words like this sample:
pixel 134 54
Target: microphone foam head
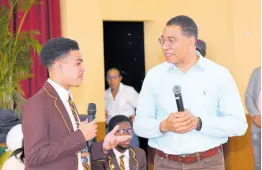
pixel 91 108
pixel 176 89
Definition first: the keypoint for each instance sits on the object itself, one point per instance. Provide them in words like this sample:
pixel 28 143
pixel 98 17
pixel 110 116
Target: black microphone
pixel 91 112
pixel 178 97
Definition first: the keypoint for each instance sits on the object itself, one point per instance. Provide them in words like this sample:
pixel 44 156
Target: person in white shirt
pixel 188 137
pixel 16 160
pixel 120 99
pixel 15 144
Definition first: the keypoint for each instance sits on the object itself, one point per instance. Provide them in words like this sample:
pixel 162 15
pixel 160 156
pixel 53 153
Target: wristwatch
pixel 199 124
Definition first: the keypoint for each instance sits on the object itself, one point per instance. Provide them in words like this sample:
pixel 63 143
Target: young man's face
pixel 125 128
pixel 72 69
pixel 175 45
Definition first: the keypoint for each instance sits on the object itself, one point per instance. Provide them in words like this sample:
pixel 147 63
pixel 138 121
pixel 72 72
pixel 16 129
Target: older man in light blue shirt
pixel 214 111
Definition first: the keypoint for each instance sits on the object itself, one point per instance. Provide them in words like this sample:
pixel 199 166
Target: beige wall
pixel 231 29
pixel 87 30
pixel 247 42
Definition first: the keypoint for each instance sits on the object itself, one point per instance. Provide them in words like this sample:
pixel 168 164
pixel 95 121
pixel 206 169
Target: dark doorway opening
pixel 124 49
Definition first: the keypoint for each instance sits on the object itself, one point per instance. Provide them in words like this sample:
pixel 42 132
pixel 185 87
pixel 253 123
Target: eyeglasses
pixel 122 131
pixel 170 40
pixel 112 77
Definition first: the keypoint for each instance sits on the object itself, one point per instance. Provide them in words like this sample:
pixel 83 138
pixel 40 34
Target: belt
pixel 190 158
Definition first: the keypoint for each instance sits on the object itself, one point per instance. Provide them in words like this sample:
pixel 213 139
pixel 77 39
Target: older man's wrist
pixel 197 123
pixel 163 127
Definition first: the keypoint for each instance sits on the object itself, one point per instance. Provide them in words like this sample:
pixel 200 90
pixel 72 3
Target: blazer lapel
pixel 133 163
pixel 59 106
pixel 112 162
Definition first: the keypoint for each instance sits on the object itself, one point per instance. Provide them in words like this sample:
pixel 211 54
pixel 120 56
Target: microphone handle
pixel 179 102
pixel 90 117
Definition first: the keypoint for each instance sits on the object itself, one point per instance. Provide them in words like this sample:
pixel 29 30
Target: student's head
pixel 178 39
pixel 201 47
pixel 64 62
pixel 114 78
pixel 125 128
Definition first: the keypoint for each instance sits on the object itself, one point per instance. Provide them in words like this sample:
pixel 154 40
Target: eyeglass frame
pixel 112 77
pixel 125 131
pixel 170 41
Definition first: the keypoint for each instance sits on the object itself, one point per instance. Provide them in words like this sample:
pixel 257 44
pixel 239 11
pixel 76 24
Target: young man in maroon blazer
pixel 53 134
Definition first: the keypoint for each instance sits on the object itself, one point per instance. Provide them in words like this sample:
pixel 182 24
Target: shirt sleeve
pixel 250 95
pixel 105 99
pixel 145 123
pixel 230 119
pixel 134 97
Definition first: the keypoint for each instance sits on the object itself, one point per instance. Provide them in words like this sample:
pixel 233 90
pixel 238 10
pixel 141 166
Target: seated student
pixel 15 144
pixel 16 160
pixel 122 157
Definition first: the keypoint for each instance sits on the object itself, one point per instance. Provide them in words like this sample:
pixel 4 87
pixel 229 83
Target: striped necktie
pixel 73 109
pixel 122 164
pixel 74 112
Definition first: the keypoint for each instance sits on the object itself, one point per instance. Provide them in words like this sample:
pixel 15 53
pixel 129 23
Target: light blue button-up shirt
pixel 208 92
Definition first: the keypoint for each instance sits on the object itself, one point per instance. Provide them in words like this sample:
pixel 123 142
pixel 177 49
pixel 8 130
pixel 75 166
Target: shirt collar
pixel 200 63
pixel 118 154
pixel 121 86
pixel 62 92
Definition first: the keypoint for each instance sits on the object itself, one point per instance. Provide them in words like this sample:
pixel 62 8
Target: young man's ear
pixel 58 66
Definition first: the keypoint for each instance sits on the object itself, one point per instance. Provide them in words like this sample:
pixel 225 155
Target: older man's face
pixel 113 79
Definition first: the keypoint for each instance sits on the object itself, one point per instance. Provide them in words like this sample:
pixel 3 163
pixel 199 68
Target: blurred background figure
pixel 7 120
pixel 253 103
pixel 201 47
pixel 14 141
pixel 14 138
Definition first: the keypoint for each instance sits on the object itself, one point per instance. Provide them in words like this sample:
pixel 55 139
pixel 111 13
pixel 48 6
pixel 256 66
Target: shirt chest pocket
pixel 207 97
pixel 123 103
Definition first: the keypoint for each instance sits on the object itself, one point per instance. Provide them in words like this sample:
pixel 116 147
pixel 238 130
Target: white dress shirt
pixel 125 102
pixel 125 159
pixel 64 96
pixel 209 92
